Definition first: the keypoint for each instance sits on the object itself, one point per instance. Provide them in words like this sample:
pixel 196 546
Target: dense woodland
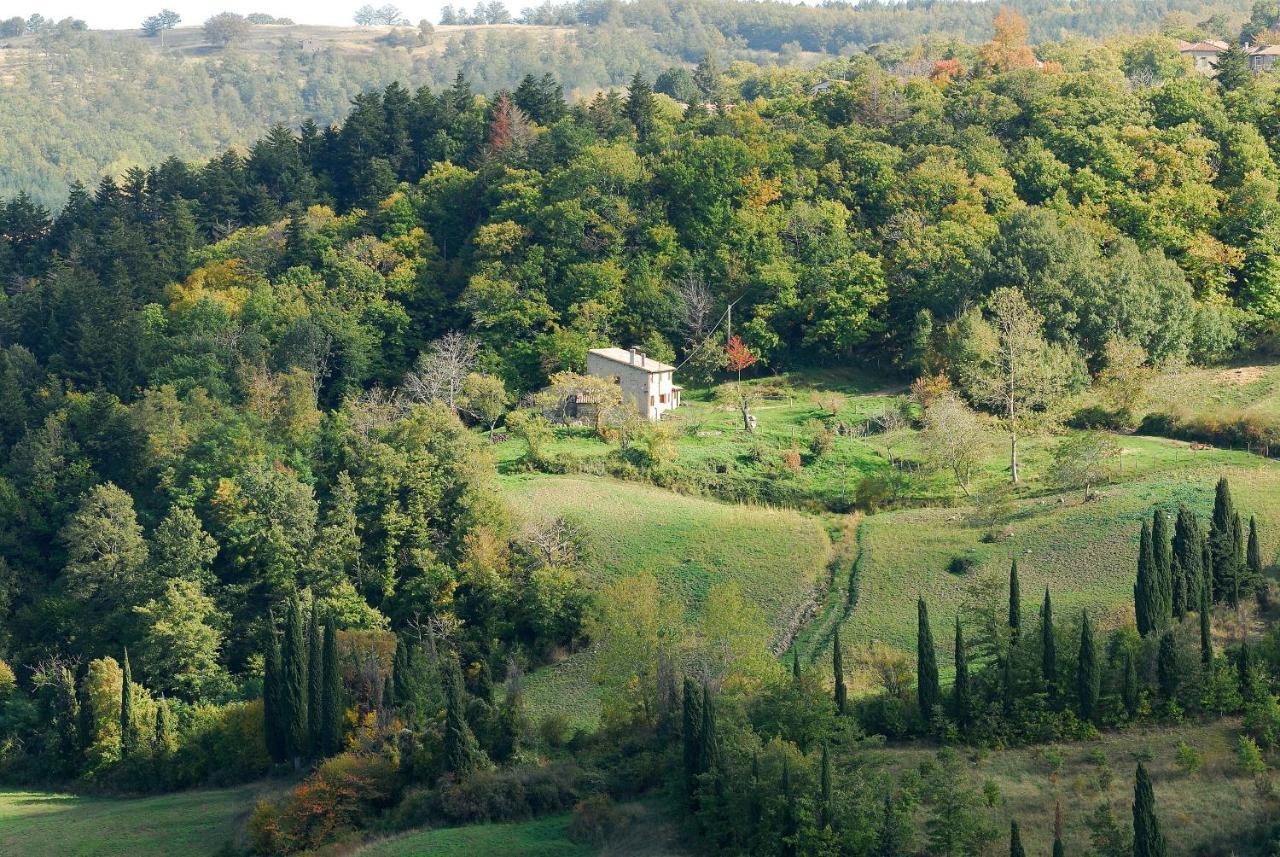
pixel 247 512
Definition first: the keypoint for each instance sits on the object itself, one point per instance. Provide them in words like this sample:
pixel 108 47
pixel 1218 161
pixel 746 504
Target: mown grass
pixel 43 824
pixel 541 837
pixel 1085 553
pixel 777 558
pixel 1207 812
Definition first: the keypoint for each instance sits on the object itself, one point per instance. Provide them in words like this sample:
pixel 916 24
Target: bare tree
pixel 555 541
pixel 1011 367
pixel 952 438
pixel 442 370
pixel 697 308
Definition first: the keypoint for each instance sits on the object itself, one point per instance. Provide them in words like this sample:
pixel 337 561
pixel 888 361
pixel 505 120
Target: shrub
pixel 513 793
pixel 340 796
pixel 791 460
pixel 554 730
pixel 595 819
pixel 221 745
pixel 1262 721
pixel 1250 757
pixel 962 564
pixel 1187 758
pixel 7 680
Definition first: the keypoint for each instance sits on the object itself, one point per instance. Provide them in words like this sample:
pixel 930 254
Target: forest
pixel 266 418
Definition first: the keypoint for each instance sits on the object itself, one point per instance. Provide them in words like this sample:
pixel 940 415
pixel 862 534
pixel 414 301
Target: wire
pixel 705 339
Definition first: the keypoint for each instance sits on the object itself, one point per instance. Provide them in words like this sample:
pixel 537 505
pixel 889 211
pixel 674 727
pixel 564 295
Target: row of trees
pixel 302 690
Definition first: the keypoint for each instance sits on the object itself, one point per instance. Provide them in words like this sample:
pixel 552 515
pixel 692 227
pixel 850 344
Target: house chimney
pixel 633 355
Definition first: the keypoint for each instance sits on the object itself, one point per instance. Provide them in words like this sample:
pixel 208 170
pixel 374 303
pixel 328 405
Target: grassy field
pixel 1085 553
pixel 542 837
pixel 1251 389
pixel 1201 810
pixel 776 557
pixel 40 824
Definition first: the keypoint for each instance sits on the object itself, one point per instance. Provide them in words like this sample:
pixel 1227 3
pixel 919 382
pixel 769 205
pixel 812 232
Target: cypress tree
pixel 1244 672
pixel 1238 582
pixel 1162 553
pixel 889 839
pixel 691 734
pixel 331 707
pixel 928 692
pixel 1087 678
pixel 1058 850
pixel 1146 591
pixel 753 805
pixel 1253 564
pixel 1222 547
pixel 1186 562
pixel 273 696
pixel 1129 685
pixel 1167 672
pixel 1208 579
pixel 1008 689
pixel 164 743
pixel 66 719
pixel 461 755
pixel 1147 839
pixel 128 726
pixel 293 659
pixel 1048 647
pixel 837 670
pixel 961 702
pixel 1015 841
pixel 1015 601
pixel 789 819
pixel 795 664
pixel 1206 627
pixel 709 757
pixel 400 670
pixel 314 684
pixel 824 808
pixel 484 681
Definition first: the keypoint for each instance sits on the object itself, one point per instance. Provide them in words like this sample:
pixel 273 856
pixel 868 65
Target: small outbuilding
pixel 646 382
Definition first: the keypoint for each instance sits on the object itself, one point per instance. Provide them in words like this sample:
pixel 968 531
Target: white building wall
pixel 652 393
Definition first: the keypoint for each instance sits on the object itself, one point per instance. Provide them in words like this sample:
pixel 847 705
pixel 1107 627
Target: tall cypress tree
pixel 1162 553
pixel 128 725
pixel 1222 541
pixel 1253 564
pixel 790 821
pixel 461 755
pixel 1168 673
pixel 1146 591
pixel 331 707
pixel 709 757
pixel 273 714
pixel 1244 672
pixel 837 670
pixel 1208 578
pixel 315 679
pixel 1015 841
pixel 691 735
pixel 400 673
pixel 1186 562
pixel 293 659
pixel 795 664
pixel 1015 601
pixel 1238 582
pixel 961 703
pixel 824 800
pixel 1129 691
pixel 1087 677
pixel 1206 627
pixel 1048 647
pixel 66 719
pixel 1058 850
pixel 1147 839
pixel 928 692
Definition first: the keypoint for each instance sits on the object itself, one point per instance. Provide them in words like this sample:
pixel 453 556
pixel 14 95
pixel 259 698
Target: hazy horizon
pixel 128 14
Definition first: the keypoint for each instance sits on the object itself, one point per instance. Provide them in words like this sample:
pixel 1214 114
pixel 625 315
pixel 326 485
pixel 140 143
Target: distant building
pixel 645 381
pixel 1204 55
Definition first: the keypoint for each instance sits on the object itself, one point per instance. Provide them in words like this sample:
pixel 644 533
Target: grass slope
pixel 41 824
pixel 542 837
pixel 776 557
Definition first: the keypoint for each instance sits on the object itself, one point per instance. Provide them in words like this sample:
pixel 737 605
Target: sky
pixel 128 14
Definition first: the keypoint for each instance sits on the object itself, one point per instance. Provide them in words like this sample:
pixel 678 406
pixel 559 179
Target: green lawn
pixel 41 824
pixel 543 837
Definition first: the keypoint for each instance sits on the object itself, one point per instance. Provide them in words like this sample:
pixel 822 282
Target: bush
pixel 554 730
pixel 1234 429
pixel 1187 758
pixel 509 794
pixel 595 819
pixel 221 745
pixel 1250 757
pixel 962 564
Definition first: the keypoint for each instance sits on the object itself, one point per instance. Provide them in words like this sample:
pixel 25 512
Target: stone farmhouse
pixel 1204 55
pixel 644 381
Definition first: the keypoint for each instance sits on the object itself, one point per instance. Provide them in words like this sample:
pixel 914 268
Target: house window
pixel 662 397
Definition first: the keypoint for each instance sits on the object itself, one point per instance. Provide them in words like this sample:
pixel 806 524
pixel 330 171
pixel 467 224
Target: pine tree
pixel 1167 670
pixel 1087 677
pixel 1015 841
pixel 1129 691
pixel 640 106
pixel 928 692
pixel 273 714
pixel 315 680
pixel 293 660
pixel 1162 553
pixel 691 734
pixel 1186 562
pixel 331 708
pixel 461 755
pixel 1147 839
pixel 1253 564
pixel 1048 648
pixel 128 724
pixel 1015 602
pixel 837 669
pixel 1146 591
pixel 1222 546
pixel 1232 68
pixel 1206 627
pixel 961 703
